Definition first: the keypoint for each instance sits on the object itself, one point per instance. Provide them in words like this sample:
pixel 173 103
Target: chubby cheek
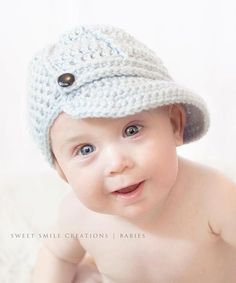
pixel 88 189
pixel 161 163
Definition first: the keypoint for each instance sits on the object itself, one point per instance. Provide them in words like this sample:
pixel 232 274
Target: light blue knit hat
pixel 101 71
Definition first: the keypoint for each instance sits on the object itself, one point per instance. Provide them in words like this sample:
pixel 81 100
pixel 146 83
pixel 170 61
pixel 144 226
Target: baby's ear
pixel 59 170
pixel 178 120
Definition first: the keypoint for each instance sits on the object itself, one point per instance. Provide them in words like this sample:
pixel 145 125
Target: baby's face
pixel 124 166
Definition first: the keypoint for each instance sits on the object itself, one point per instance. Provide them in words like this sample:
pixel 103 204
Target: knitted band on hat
pixel 101 71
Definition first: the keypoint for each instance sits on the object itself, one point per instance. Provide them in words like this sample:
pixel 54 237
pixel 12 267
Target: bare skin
pixel 182 246
pixel 179 227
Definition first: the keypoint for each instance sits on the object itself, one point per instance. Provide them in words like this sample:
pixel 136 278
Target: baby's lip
pixel 128 189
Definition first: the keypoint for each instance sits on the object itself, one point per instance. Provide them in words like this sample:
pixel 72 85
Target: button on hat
pixel 66 80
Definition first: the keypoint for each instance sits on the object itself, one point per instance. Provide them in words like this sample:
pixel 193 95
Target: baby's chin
pixel 136 213
pixel 131 212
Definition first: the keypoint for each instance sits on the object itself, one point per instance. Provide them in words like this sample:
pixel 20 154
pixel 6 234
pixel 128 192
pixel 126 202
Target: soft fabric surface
pixel 27 207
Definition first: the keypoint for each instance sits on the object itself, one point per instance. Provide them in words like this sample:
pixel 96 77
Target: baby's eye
pixel 132 130
pixel 85 149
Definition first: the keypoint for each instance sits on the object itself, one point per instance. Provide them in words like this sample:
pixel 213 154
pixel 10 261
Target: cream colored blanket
pixel 27 207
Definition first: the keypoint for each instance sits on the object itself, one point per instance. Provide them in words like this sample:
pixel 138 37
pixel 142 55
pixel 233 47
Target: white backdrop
pixel 195 39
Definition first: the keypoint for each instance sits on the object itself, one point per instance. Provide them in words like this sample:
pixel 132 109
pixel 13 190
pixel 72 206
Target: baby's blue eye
pixel 86 149
pixel 132 130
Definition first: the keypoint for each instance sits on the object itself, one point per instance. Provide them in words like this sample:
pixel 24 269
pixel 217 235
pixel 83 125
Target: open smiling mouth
pixel 129 191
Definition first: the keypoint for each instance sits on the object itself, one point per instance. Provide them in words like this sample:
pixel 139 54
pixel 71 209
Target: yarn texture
pixel 102 71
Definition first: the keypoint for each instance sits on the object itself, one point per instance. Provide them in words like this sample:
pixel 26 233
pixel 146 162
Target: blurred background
pixel 195 39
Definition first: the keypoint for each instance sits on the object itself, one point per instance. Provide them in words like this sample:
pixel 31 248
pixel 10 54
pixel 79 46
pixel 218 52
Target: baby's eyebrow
pixel 73 139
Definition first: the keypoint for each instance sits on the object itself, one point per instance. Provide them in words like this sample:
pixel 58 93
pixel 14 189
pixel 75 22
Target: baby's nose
pixel 118 162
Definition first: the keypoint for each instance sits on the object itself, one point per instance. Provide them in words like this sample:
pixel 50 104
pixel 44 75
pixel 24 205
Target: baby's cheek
pixel 161 160
pixel 88 190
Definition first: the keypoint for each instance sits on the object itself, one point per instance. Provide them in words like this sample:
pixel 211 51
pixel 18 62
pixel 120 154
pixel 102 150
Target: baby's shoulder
pixel 63 243
pixel 222 207
pixel 209 185
pixel 71 212
pixel 218 193
pixel 220 190
pixel 206 176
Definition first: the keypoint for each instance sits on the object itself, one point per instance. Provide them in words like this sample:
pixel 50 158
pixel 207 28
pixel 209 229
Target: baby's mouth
pixel 128 189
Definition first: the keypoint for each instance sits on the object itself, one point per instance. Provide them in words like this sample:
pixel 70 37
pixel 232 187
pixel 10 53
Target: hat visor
pixel 122 96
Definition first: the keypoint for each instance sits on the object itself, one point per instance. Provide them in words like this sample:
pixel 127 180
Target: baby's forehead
pixel 66 119
pixel 67 126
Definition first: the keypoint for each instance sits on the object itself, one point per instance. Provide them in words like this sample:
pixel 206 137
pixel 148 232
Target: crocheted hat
pixel 101 71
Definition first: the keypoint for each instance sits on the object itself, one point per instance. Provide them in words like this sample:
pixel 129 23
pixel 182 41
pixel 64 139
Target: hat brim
pixel 122 96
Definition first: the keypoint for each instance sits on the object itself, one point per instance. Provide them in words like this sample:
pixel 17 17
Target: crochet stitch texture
pixel 115 76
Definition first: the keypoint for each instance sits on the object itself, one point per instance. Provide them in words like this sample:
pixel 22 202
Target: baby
pixel 108 117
